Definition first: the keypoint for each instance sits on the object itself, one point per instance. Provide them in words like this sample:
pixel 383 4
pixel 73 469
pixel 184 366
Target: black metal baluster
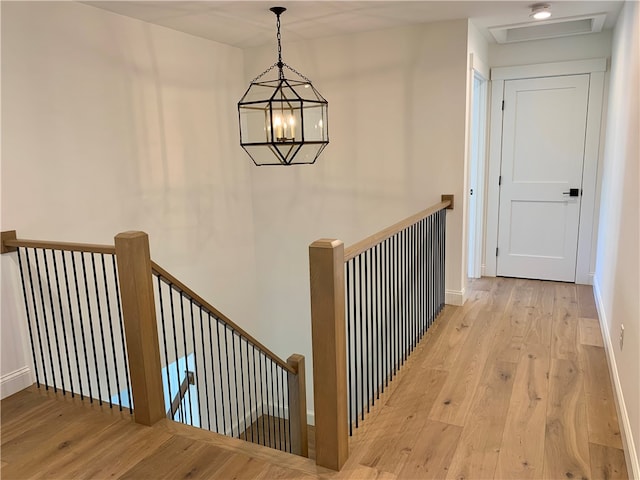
pixel 285 408
pixel 376 329
pixel 26 307
pixel 213 377
pixel 406 297
pixel 270 403
pixel 183 397
pixel 367 338
pixel 122 336
pixel 356 369
pixel 235 380
pixel 104 348
pixel 91 329
pixel 442 246
pixel 362 368
pixel 113 343
pixel 226 356
pixel 429 267
pixel 423 325
pixel 205 370
pixel 254 426
pixel 248 390
pixel 224 426
pixel 53 317
pixel 380 322
pixel 349 360
pixel 197 372
pixel 265 432
pixel 290 412
pixel 72 323
pixel 175 348
pixel 172 310
pixel 414 285
pixel 279 397
pixel 244 406
pixel 387 310
pixel 80 317
pixel 46 324
pixel 164 341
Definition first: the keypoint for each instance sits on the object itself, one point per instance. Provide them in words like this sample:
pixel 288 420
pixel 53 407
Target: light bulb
pixel 541 11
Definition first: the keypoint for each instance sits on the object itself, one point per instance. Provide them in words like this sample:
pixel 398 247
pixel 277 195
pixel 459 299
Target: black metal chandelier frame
pixel 298 98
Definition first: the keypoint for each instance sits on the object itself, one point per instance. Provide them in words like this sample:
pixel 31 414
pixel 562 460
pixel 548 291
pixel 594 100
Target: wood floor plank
pixel 539 327
pixel 566 447
pixel 586 301
pixel 479 445
pixel 590 333
pixel 499 294
pixel 37 443
pixel 512 326
pixel 108 454
pixel 240 466
pixel 454 400
pixel 454 329
pixel 522 449
pixel 362 472
pixel 196 460
pixel 388 447
pixel 432 453
pixel 602 417
pixel 607 463
pixel 418 390
pixel 564 339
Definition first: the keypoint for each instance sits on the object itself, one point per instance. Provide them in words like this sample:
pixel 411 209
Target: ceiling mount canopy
pixel 283 120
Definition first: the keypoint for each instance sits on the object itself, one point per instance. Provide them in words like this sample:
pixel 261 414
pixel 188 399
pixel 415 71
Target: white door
pixel 543 145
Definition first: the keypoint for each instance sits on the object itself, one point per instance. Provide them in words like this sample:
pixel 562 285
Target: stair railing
pixel 94 331
pixel 370 305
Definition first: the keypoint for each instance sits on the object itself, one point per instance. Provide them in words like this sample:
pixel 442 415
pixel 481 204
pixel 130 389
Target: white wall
pixel 112 124
pixel 617 278
pixel 578 47
pixel 397 142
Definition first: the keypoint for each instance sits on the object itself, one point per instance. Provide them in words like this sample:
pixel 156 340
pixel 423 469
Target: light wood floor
pixel 514 385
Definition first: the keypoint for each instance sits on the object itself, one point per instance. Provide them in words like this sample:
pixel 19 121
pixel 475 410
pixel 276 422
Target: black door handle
pixel 573 192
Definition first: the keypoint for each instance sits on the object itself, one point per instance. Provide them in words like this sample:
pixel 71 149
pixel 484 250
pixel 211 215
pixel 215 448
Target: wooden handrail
pixel 373 240
pixel 10 244
pixel 173 281
pixel 177 400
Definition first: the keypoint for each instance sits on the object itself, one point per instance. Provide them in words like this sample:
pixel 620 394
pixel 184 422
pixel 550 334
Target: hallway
pixel 514 385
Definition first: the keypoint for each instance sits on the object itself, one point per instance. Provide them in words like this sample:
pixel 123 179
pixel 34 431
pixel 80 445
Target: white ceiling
pixel 247 24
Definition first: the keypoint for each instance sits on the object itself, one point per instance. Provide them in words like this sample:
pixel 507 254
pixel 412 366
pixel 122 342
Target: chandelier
pixel 283 120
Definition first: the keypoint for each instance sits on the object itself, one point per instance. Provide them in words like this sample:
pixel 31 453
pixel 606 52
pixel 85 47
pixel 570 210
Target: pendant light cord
pixel 280 64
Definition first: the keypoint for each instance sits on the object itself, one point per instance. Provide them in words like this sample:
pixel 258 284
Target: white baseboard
pixel 15 381
pixel 454 297
pixel 633 467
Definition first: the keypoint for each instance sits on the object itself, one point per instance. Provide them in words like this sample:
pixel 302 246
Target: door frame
pixel 477 165
pixel 586 232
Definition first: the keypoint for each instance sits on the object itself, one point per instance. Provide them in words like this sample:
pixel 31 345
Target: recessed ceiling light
pixel 540 11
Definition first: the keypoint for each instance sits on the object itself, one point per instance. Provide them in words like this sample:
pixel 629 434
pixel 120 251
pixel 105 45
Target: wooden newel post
pixel 298 406
pixel 326 268
pixel 139 314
